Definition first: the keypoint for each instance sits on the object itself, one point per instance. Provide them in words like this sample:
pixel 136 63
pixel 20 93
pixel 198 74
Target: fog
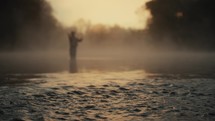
pixel 33 41
pixel 151 62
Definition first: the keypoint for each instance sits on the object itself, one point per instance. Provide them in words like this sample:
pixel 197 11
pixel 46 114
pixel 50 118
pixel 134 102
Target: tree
pixel 188 23
pixel 22 20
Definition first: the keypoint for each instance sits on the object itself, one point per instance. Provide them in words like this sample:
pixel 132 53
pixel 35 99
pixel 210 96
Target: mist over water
pixel 38 43
pixel 163 72
pixel 102 61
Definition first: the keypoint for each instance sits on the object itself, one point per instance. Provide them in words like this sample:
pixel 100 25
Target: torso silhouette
pixel 73 40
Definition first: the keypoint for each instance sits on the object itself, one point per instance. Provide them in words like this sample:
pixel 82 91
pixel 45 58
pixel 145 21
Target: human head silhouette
pixel 72 33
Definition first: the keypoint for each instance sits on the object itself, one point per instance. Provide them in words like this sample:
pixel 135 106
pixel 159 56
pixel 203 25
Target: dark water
pixel 165 63
pixel 153 88
pixel 98 95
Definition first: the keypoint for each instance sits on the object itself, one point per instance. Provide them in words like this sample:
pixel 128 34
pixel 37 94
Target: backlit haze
pixel 32 38
pixel 109 12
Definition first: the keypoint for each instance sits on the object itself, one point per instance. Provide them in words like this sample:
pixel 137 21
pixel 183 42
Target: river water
pixel 107 95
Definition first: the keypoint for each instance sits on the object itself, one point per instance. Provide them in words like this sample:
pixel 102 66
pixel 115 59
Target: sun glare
pixel 108 12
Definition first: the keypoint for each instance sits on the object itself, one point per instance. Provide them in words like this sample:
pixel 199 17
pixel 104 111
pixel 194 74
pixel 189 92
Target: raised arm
pixel 80 39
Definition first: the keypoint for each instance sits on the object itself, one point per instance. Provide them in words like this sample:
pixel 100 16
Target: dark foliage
pixel 18 17
pixel 187 23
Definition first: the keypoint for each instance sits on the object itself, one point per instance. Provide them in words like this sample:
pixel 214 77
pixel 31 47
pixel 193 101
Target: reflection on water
pixel 104 95
pixel 92 78
pixel 107 89
pixel 73 66
pixel 84 78
pixel 151 63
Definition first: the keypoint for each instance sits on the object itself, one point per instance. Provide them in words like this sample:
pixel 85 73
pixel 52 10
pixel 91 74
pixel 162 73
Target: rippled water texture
pixel 121 96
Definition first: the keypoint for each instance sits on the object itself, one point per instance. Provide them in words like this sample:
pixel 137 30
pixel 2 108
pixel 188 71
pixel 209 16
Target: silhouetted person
pixel 73 41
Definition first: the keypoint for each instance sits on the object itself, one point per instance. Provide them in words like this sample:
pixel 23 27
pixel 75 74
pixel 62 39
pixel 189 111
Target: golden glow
pixel 179 14
pixel 108 12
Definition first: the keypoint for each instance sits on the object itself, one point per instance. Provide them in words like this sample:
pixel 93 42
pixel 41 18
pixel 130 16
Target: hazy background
pixel 157 35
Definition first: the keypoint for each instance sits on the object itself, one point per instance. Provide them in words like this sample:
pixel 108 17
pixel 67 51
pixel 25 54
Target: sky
pixel 109 12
